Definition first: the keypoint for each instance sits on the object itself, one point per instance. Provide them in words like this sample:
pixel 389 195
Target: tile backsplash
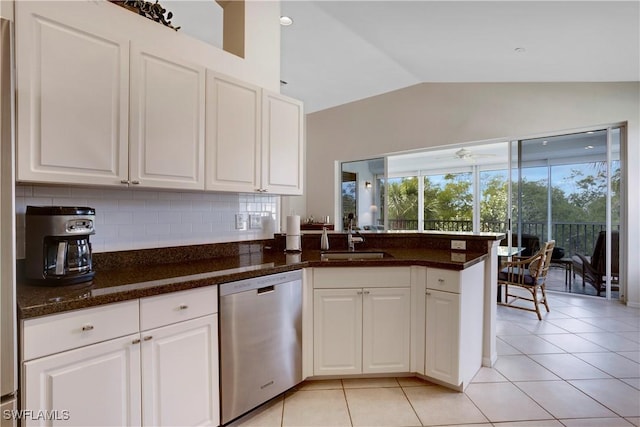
pixel 139 219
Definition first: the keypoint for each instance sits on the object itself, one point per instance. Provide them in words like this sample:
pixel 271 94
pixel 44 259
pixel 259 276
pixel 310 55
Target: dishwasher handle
pixel 265 290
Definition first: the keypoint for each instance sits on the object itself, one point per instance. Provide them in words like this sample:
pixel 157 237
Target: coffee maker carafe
pixel 58 251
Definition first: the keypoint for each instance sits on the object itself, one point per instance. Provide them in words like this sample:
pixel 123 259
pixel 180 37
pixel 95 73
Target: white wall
pixel 135 219
pixel 437 114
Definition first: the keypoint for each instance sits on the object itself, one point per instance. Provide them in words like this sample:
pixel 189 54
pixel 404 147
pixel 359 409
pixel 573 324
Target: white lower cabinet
pixel 94 385
pixel 361 330
pixel 453 324
pixel 386 327
pixel 443 323
pixel 337 331
pixel 97 372
pixel 180 374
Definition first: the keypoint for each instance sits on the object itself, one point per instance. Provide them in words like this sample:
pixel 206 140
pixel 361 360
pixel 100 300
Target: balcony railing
pixel 572 237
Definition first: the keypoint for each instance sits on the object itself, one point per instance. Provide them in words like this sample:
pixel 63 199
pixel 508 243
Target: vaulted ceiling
pixel 341 51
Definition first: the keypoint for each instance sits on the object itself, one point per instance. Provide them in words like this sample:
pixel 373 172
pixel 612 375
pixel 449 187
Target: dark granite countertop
pixel 125 280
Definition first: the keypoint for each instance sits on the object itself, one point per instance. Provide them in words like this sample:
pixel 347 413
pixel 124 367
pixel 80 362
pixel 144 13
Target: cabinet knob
pixel 428 293
pixel 441 281
pixel 367 292
pixel 136 341
pixel 87 327
pixel 147 338
pixel 359 293
pixel 183 306
pixel 135 182
pixel 124 181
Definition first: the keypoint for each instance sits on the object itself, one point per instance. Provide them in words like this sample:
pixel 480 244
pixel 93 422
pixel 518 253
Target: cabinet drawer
pixel 443 280
pixel 178 306
pixel 52 334
pixel 361 277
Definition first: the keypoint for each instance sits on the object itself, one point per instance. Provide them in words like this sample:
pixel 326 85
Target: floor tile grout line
pixel 346 402
pixel 411 404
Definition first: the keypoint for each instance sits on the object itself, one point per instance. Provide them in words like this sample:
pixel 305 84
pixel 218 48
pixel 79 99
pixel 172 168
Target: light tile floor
pixel 578 367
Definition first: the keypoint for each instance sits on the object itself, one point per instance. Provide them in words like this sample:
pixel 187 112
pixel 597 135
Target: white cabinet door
pixel 72 86
pixel 386 330
pixel 442 336
pixel 233 134
pixel 180 374
pixel 337 331
pixel 166 142
pixel 89 386
pixel 282 144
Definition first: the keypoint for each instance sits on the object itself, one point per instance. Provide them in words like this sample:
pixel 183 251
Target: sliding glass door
pixel 567 188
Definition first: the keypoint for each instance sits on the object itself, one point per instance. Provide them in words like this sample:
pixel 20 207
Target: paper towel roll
pixel 293 225
pixel 293 243
pixel 293 233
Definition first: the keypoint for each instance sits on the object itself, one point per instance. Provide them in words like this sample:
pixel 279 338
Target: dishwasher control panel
pixel 259 282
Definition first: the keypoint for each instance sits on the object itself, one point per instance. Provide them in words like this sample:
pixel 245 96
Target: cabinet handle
pixel 135 182
pixel 136 341
pixel 124 181
pixel 183 306
pixel 428 293
pixel 441 281
pixel 148 337
pixel 359 293
pixel 367 292
pixel 87 327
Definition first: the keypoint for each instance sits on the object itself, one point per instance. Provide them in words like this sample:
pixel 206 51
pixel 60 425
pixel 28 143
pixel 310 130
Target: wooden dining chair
pixel 528 273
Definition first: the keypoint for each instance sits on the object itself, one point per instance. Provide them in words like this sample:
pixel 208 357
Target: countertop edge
pixel 185 283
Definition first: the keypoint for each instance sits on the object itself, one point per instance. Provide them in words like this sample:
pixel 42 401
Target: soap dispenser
pixel 324 240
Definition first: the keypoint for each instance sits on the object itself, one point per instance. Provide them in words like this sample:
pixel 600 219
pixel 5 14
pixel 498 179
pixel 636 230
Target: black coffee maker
pixel 58 251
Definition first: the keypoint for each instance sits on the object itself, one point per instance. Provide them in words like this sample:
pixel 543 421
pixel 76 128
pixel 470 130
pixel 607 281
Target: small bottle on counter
pixel 324 240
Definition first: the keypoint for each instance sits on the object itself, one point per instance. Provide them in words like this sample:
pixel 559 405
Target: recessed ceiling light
pixel 590 132
pixel 285 21
pixel 545 142
pixel 588 147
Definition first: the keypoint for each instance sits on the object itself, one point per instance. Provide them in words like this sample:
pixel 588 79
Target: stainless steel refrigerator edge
pixel 8 362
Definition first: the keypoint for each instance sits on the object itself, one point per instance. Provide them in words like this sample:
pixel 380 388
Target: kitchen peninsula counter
pixel 129 275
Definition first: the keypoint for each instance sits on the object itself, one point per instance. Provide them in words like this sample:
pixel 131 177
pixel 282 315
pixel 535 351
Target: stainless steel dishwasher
pixel 260 340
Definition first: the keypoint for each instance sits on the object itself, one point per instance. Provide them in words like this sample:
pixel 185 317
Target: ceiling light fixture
pixel 285 21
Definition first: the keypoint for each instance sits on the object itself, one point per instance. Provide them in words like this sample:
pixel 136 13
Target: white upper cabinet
pixel 135 105
pixel 166 143
pixel 254 138
pixel 72 95
pixel 233 134
pixel 282 144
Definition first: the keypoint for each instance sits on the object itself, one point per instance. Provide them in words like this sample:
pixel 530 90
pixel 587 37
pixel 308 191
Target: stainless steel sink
pixel 351 256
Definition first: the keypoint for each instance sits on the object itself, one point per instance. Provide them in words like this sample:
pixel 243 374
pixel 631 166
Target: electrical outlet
pixel 459 244
pixel 241 221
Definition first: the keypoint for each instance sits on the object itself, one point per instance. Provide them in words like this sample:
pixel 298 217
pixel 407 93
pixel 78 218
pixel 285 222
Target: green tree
pixel 403 198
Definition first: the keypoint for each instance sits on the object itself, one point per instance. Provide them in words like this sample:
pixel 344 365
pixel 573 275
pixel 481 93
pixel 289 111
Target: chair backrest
pixel 539 268
pixel 599 257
